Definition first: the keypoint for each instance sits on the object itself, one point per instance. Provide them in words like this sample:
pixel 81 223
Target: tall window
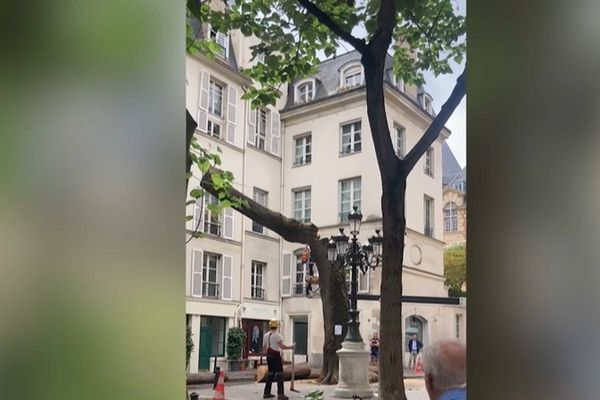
pixel 256 280
pixel 351 140
pixel 261 128
pixel 215 98
pixel 302 205
pixel 222 40
pixel 210 285
pixel 352 76
pixel 429 161
pixel 300 285
pixel 349 197
pixel 428 208
pixel 400 140
pixel 212 220
pixel 303 146
pixel 261 197
pixel 305 93
pixel 450 217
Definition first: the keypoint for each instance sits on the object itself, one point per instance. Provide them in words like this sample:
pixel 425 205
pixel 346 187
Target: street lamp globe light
pixel 354 219
pixel 376 241
pixel 341 242
pixel 332 250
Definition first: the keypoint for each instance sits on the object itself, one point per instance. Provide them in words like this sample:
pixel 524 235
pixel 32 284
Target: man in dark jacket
pixel 414 348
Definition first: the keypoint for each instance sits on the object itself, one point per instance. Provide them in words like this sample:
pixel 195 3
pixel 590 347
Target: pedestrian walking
pixel 414 348
pixel 374 343
pixel 445 365
pixel 272 346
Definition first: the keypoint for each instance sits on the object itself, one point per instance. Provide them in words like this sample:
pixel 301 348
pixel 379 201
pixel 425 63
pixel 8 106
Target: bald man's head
pixel 445 365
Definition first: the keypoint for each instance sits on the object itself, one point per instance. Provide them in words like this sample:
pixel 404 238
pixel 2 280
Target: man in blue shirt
pixel 445 366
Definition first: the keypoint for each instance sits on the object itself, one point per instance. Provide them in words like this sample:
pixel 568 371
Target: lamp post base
pixel 354 371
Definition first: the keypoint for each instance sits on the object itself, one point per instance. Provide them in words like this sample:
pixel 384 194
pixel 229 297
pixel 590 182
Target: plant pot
pixel 234 365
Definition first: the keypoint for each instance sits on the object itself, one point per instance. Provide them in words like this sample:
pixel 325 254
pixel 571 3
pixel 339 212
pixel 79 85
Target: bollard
pixel 217 370
pixel 193 396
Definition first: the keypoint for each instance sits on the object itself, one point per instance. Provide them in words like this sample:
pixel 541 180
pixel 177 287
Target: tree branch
pixel 432 133
pixel 325 19
pixel 289 229
pixel 190 128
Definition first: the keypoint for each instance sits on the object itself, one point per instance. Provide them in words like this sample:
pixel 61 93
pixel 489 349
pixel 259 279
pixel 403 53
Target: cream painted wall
pixel 267 251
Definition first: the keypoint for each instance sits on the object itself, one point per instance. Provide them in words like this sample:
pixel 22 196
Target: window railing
pixel 210 289
pixel 257 293
pixel 214 228
pixel 257 228
pixel 300 289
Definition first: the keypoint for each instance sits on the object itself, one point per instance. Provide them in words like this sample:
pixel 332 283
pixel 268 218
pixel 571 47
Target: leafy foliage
pixel 315 395
pixel 189 344
pixel 455 269
pixel 427 36
pixel 235 341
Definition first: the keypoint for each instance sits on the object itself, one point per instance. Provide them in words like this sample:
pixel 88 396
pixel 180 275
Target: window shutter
pixel 226 278
pixel 197 273
pixel 203 102
pixel 251 124
pixel 226 44
pixel 286 275
pixel 199 214
pixel 228 223
pixel 275 132
pixel 231 114
pixel 363 281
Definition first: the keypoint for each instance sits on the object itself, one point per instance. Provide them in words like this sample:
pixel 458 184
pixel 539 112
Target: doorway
pixel 300 335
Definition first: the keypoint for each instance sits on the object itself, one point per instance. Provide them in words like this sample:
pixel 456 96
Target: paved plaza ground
pixel 415 390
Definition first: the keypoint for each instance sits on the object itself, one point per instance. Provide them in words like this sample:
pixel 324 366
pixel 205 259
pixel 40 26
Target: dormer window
pixel 305 92
pixel 222 40
pixel 427 103
pixel 352 76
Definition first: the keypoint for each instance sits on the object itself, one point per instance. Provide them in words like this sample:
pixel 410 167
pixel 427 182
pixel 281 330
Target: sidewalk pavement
pixel 415 390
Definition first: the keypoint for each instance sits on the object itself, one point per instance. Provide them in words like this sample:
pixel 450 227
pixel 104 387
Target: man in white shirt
pixel 272 346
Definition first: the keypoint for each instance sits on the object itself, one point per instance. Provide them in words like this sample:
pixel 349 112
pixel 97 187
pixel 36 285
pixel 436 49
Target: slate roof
pixel 452 172
pixel 327 78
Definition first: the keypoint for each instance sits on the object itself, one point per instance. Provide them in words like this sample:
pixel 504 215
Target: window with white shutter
pixel 231 114
pixel 203 101
pixel 286 275
pixel 228 223
pixel 227 277
pixel 251 124
pixel 197 261
pixel 275 133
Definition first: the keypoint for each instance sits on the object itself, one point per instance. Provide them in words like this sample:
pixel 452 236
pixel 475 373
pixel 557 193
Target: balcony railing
pixel 213 228
pixel 299 289
pixel 257 293
pixel 210 289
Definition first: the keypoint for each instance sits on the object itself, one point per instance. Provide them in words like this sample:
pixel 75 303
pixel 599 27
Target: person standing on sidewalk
pixel 374 343
pixel 414 348
pixel 272 346
pixel 445 365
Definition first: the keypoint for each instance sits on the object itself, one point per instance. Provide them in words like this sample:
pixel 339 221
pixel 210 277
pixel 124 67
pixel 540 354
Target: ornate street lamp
pixel 348 252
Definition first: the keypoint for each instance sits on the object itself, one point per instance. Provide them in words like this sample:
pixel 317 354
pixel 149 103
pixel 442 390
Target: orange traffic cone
pixel 419 368
pixel 220 389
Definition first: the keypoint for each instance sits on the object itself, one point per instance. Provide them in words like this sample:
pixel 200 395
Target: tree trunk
pixel 334 298
pixel 391 383
pixel 332 280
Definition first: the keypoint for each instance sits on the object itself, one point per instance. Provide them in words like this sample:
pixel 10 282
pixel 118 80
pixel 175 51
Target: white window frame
pixel 428 163
pixel 353 142
pixel 342 213
pixel 399 83
pixel 221 39
pixel 450 217
pixel 304 157
pixel 207 221
pixel 353 69
pixel 299 270
pixel 258 125
pixel 309 93
pixel 428 103
pixel 255 192
pixel 211 131
pixel 303 201
pixel 206 269
pixel 254 275
pixel 400 140
pixel 212 109
pixel 428 228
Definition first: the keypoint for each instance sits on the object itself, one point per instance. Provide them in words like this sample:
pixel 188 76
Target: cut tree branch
pixel 437 124
pixel 325 19
pixel 289 229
